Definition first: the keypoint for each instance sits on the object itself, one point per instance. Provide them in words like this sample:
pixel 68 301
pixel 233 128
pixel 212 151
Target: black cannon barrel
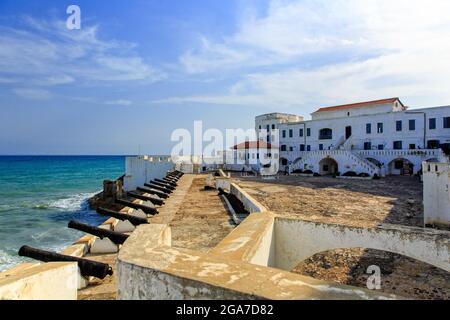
pixel 173 176
pixel 153 199
pixel 153 191
pixel 164 185
pixel 170 180
pixel 173 184
pixel 116 237
pixel 154 186
pixel 143 207
pixel 87 267
pixel 122 216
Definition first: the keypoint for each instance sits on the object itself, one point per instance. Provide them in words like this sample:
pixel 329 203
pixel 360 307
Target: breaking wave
pixel 7 261
pixel 74 203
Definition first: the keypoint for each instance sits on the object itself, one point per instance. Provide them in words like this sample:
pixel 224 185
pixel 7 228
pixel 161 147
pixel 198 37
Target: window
pixel 446 122
pixel 302 147
pixel 367 146
pixel 412 146
pixel 308 132
pixel 259 127
pixel 432 123
pixel 291 148
pixel 320 146
pixel 267 128
pixel 398 125
pixel 380 127
pixel 273 127
pixel 433 144
pixel 301 132
pixel 325 134
pixel 268 139
pixel 308 148
pixel 397 145
pixel 291 133
pixel 325 168
pixel 380 147
pixel 368 128
pixel 284 133
pixel 283 147
pixel 412 125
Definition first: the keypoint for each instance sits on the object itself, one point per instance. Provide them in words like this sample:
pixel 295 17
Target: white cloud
pixel 327 52
pixel 47 53
pixel 120 102
pixel 32 94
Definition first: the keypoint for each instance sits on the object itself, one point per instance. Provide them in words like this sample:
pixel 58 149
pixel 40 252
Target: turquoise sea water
pixel 40 194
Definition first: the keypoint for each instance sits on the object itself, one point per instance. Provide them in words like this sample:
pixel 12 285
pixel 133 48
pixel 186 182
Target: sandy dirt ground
pixel 400 275
pixel 362 203
pixel 202 220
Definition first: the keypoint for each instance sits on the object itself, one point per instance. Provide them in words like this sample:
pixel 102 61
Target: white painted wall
pixel 47 281
pixel 436 194
pixel 297 240
pixel 142 169
pixel 248 201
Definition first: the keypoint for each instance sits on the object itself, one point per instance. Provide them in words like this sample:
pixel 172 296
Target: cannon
pixel 122 216
pixel 143 207
pixel 173 184
pixel 153 191
pixel 173 176
pixel 153 186
pixel 164 185
pixel 115 237
pixel 153 199
pixel 170 180
pixel 87 267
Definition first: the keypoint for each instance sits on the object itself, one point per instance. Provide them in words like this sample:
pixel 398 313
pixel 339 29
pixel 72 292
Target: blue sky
pixel 137 70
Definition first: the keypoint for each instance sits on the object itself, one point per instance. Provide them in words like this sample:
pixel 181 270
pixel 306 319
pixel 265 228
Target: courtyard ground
pixel 361 203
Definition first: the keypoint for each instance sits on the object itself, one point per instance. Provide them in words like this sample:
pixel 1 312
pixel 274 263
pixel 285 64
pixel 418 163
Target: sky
pixel 137 70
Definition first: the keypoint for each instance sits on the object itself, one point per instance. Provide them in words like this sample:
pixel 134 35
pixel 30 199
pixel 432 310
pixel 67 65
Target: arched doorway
pixel 328 166
pixel 400 166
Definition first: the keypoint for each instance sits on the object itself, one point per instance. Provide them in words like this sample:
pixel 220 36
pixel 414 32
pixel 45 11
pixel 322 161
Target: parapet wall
pixel 148 271
pixel 142 169
pixel 32 281
pixel 254 260
pixel 297 240
pixel 248 201
pixel 436 194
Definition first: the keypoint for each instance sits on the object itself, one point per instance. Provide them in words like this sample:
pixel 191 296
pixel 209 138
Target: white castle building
pixel 379 137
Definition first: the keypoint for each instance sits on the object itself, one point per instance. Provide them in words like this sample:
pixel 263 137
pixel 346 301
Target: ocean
pixel 40 194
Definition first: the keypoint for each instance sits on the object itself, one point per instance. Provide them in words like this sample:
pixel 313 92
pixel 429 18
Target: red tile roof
pixel 252 145
pixel 359 104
